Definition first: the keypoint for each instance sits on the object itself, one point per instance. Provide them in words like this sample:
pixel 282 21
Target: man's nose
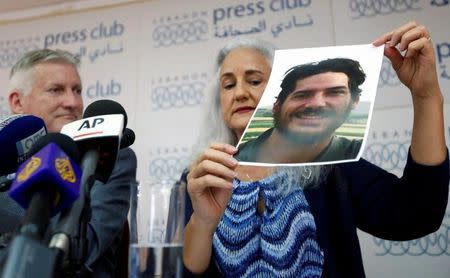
pixel 71 98
pixel 317 99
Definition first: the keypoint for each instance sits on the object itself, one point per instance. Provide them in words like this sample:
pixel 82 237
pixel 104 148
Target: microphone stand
pixel 6 182
pixel 77 219
pixel 27 256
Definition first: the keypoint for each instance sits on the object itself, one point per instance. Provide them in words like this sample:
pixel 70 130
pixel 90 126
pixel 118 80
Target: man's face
pixel 55 95
pixel 318 105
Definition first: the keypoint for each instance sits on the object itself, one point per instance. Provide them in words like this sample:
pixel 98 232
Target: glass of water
pixel 156 229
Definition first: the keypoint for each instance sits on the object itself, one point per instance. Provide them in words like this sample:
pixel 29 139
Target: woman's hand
pixel 210 184
pixel 416 68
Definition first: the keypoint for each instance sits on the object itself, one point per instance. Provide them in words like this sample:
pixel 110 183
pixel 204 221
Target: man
pixel 314 101
pixel 46 83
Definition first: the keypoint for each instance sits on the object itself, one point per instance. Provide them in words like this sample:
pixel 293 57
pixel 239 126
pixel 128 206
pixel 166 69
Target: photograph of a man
pixel 314 101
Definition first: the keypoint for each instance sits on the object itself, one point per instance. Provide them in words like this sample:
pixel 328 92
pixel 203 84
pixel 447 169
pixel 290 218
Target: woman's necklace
pixel 260 204
pixel 258 173
pixel 260 208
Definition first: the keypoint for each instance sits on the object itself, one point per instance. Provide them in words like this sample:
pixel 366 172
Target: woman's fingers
pixel 415 47
pixel 397 34
pixel 203 183
pixel 214 168
pixel 417 33
pixel 208 167
pixel 215 162
pixel 219 152
pixel 403 35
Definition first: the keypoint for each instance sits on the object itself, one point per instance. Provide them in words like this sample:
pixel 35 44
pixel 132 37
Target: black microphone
pixel 46 183
pixel 17 134
pixel 108 107
pixel 98 136
pixel 128 138
pixel 105 107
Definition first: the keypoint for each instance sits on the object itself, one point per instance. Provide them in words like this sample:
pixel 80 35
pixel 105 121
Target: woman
pixel 258 221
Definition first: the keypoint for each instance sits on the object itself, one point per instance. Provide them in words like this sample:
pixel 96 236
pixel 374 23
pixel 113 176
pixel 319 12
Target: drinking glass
pixel 156 229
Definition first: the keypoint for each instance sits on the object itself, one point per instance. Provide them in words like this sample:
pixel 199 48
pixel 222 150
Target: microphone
pixel 46 183
pixel 128 138
pixel 98 139
pixel 103 128
pixel 98 136
pixel 6 181
pixel 108 107
pixel 105 107
pixel 17 134
pixel 51 170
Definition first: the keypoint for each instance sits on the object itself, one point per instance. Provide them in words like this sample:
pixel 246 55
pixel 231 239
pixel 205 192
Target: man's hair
pixel 351 68
pixel 21 76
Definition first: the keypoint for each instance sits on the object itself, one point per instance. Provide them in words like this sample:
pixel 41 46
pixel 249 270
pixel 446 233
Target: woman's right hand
pixel 210 184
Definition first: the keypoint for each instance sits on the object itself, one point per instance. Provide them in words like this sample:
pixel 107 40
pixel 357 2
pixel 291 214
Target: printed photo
pixel 316 108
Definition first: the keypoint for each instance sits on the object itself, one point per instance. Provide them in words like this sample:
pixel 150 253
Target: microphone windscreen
pixel 49 170
pixel 17 135
pixel 101 134
pixel 105 107
pixel 63 141
pixel 128 138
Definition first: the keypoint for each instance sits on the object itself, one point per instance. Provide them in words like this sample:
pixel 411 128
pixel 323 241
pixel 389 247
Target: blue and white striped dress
pixel 281 242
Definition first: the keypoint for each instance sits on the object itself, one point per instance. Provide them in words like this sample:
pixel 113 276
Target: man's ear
pixel 15 100
pixel 355 101
pixel 275 107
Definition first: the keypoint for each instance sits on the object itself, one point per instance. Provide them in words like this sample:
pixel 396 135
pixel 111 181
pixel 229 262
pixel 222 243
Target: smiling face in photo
pixel 318 105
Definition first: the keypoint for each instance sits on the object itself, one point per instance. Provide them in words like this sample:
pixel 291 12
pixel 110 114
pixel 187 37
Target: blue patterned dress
pixel 281 242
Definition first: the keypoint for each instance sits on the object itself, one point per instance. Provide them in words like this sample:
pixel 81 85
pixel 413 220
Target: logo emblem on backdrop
pixel 389 155
pixel 388 149
pixel 12 50
pixel 439 3
pixel 168 162
pixel 370 8
pixel 180 29
pixel 390 152
pixel 388 77
pixel 177 92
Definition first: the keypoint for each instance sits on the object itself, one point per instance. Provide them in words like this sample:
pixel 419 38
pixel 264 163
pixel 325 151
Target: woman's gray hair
pixel 214 129
pixel 21 76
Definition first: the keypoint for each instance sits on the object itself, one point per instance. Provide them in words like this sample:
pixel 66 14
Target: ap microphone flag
pixel 109 107
pixel 51 170
pixel 102 134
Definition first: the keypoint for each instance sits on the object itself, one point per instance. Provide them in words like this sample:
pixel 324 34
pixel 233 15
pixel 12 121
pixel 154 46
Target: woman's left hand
pixel 416 68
